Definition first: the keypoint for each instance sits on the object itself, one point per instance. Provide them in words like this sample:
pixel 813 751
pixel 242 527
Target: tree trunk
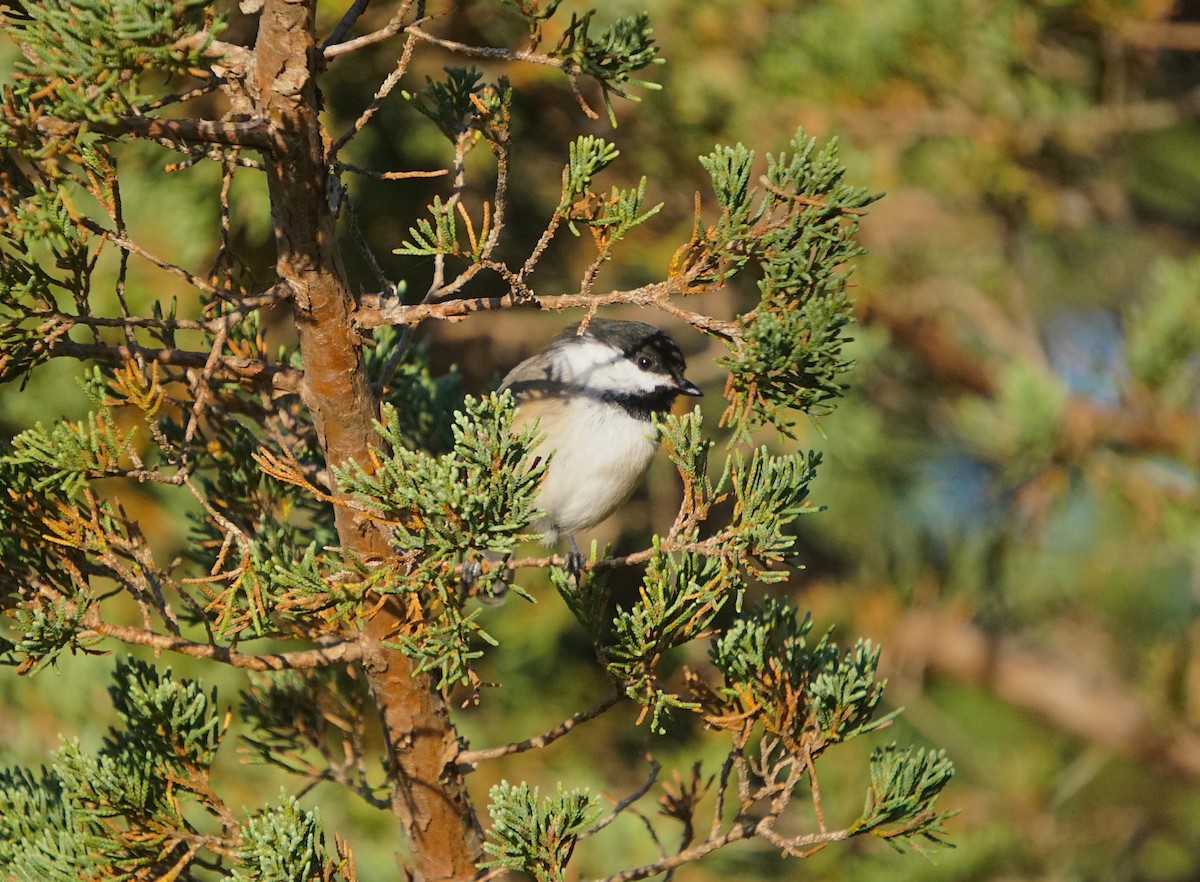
pixel 429 795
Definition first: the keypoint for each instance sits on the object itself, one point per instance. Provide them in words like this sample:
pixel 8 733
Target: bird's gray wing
pixel 535 377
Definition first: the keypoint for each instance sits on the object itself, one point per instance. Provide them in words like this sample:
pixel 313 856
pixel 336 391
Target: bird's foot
pixel 468 576
pixel 490 587
pixel 575 561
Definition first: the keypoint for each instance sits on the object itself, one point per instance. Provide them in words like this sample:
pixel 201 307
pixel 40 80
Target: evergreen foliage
pixel 535 835
pixel 123 812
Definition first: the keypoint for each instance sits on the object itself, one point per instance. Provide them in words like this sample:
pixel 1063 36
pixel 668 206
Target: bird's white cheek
pixel 599 366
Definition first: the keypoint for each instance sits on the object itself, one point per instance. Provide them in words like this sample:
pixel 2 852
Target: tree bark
pixel 429 795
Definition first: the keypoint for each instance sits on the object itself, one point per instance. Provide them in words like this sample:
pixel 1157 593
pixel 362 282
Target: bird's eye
pixel 644 362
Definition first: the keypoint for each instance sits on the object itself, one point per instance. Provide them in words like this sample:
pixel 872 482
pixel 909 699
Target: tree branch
pixel 656 295
pixel 357 8
pixel 745 829
pixel 469 758
pixel 493 52
pixel 394 26
pixel 284 379
pixel 325 656
pixel 255 134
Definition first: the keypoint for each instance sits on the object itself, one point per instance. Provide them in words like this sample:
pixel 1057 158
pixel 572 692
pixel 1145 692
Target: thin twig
pixel 722 788
pixel 118 218
pixel 473 757
pixel 746 829
pixel 200 399
pixel 625 803
pixel 394 26
pixel 179 97
pixel 655 295
pixel 223 257
pixel 492 51
pixel 435 292
pixel 382 92
pixel 389 175
pixel 55 319
pixel 815 788
pixel 121 241
pixel 357 8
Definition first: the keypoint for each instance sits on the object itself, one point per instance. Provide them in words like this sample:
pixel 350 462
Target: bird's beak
pixel 687 387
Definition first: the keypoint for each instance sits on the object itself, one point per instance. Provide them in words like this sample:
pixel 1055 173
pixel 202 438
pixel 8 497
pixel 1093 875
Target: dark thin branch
pixel 325 656
pixel 282 378
pixel 256 134
pixel 625 803
pixel 393 27
pixel 357 8
pixel 472 757
pixel 128 245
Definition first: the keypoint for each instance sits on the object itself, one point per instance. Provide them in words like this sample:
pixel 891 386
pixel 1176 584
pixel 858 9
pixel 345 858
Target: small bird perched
pixel 594 395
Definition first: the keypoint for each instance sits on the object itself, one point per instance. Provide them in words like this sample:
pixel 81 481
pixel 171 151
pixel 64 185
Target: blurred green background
pixel 1012 506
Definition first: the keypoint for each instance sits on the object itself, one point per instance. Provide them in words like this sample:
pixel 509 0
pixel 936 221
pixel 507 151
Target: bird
pixel 594 392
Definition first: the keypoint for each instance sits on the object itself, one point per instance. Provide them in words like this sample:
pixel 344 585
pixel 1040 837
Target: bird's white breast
pixel 600 453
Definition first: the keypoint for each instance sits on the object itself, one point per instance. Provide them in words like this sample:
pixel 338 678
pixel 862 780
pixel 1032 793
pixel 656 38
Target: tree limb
pixel 283 379
pixel 255 134
pixel 321 657
pixel 656 295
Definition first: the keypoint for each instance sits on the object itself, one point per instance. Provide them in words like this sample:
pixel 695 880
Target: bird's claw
pixel 468 575
pixel 576 559
pixel 574 563
pixel 493 589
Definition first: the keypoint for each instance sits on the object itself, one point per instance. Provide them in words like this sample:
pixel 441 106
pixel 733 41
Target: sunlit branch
pixel 256 134
pixel 393 27
pixel 390 175
pixel 337 653
pixel 655 295
pixel 493 52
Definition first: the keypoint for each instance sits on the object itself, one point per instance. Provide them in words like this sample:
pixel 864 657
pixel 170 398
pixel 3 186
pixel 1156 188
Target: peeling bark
pixel 429 794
